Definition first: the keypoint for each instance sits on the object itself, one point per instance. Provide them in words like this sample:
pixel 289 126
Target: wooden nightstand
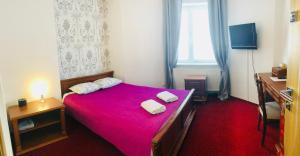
pixel 49 120
pixel 199 83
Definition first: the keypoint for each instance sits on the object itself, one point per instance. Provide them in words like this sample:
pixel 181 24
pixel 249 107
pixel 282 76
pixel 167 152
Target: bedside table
pixel 199 83
pixel 49 124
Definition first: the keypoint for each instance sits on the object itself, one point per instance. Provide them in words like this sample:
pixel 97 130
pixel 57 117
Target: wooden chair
pixel 267 110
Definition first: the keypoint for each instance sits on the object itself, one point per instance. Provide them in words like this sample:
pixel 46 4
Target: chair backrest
pixel 261 96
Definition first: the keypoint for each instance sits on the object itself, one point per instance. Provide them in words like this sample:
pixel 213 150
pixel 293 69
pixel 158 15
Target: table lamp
pixel 39 89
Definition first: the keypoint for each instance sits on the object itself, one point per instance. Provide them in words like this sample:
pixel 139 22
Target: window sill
pixel 196 64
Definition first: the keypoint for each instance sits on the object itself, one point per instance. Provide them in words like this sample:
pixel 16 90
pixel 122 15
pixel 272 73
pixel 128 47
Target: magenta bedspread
pixel 115 114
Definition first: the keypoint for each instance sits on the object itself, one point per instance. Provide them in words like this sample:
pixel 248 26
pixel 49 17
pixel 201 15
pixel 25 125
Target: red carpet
pixel 228 129
pixel 219 129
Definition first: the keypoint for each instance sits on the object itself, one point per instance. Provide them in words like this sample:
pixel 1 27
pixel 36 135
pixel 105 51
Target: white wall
pixel 137 41
pixel 136 26
pixel 271 28
pixel 28 48
pixel 282 18
pixel 137 48
pixel 137 44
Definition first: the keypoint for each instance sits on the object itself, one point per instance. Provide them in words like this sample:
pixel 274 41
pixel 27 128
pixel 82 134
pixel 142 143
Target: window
pixel 195 46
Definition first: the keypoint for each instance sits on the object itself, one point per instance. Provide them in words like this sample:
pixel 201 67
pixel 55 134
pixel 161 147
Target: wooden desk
pixel 273 89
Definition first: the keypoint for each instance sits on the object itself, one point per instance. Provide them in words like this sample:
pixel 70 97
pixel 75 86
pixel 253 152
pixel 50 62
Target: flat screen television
pixel 243 36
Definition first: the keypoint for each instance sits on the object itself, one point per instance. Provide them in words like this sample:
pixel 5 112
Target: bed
pixel 115 115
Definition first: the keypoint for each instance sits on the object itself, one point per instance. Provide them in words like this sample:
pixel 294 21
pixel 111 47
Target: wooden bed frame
pixel 170 137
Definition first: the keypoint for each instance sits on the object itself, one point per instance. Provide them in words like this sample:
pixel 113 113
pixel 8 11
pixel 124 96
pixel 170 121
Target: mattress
pixel 115 114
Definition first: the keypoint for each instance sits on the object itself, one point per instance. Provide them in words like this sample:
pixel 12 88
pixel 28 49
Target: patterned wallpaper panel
pixel 82 36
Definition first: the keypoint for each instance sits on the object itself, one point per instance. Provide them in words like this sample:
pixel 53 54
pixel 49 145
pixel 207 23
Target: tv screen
pixel 243 36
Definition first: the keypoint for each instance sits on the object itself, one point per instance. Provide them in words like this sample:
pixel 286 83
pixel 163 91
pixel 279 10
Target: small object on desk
pixel 282 65
pixel 199 83
pixel 279 72
pixel 275 79
pixel 22 102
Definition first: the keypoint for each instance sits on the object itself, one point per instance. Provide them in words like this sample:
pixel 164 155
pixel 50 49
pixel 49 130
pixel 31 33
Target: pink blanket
pixel 116 115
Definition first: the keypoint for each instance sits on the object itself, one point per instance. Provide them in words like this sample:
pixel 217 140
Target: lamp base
pixel 42 99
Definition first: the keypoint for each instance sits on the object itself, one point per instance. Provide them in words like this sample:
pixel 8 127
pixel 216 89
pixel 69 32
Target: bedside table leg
pixel 17 135
pixel 63 122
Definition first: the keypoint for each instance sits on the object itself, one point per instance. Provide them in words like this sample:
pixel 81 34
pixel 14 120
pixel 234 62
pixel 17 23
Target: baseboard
pixel 212 93
pixel 244 100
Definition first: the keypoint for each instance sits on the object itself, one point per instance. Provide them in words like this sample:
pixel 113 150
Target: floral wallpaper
pixel 82 36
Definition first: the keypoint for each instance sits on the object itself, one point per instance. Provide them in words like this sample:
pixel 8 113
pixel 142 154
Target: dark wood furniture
pixel 266 110
pixel 199 83
pixel 171 135
pixel 49 119
pixel 273 89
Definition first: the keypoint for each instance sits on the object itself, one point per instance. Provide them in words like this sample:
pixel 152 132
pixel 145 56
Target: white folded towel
pixel 153 107
pixel 167 96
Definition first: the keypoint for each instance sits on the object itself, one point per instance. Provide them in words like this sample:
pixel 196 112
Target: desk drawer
pixel 197 85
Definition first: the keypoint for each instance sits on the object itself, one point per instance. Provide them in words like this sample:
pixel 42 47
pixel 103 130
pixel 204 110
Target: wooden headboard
pixel 66 84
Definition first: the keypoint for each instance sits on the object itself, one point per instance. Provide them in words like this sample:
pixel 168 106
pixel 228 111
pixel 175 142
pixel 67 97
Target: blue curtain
pixel 219 35
pixel 172 30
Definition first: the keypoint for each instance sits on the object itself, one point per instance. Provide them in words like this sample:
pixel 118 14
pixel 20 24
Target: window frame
pixel 191 60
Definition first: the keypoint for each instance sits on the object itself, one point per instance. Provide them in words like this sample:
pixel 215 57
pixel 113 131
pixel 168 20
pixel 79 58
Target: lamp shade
pixel 39 88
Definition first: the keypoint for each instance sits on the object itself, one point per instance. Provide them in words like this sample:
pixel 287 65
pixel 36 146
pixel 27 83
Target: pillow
pixel 85 88
pixel 108 82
